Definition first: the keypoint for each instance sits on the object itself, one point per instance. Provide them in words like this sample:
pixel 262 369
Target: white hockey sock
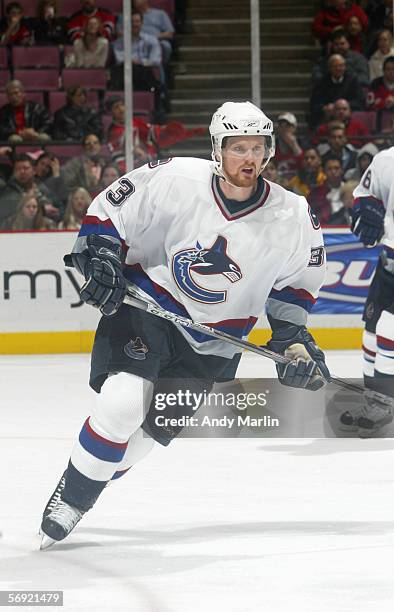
pixel 140 444
pixel 369 351
pixel 384 363
pixel 105 435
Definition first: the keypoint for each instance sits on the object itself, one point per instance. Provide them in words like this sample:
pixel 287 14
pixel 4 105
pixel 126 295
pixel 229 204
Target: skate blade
pixel 46 541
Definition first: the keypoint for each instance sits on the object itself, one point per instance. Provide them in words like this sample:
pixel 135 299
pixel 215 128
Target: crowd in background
pixel 38 189
pixel 351 112
pixel 350 117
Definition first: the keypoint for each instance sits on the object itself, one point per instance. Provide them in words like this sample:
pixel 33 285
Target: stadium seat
pixel 68 7
pixel 5 76
pixel 35 57
pixel 95 78
pixel 106 121
pixel 65 151
pixel 143 101
pixel 36 96
pixel 57 99
pixel 3 58
pixel 386 121
pixel 29 7
pixel 368 118
pixel 44 80
pixel 114 6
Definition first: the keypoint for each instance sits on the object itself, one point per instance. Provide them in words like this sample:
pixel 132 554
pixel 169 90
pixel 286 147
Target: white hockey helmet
pixel 239 119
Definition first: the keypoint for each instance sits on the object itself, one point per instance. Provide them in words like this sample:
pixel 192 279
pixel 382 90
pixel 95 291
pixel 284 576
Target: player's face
pixel 242 159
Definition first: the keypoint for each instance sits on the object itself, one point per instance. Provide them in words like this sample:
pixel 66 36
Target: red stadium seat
pixel 3 58
pixel 143 101
pixel 5 76
pixel 386 121
pixel 68 7
pixel 114 6
pixel 29 7
pixel 57 99
pixel 36 96
pixel 44 80
pixel 368 118
pixel 64 152
pixel 94 78
pixel 35 57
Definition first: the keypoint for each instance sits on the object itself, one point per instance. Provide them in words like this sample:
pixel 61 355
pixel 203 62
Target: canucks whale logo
pixel 189 263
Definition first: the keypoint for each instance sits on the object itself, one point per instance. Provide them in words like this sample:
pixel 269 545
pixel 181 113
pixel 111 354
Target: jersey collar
pixel 233 209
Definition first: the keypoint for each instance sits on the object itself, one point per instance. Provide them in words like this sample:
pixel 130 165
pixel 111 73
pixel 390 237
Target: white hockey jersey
pixel 216 261
pixel 378 182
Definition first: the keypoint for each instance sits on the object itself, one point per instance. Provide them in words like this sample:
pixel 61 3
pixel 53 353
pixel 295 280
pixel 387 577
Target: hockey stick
pixel 134 299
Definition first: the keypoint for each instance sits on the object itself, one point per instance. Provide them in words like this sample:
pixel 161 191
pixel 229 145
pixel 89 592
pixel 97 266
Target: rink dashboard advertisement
pixel 41 311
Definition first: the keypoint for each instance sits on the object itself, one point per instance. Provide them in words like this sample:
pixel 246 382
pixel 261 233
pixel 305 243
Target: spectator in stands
pixel 49 28
pixel 381 91
pixel 325 200
pixel 85 171
pixel 355 34
pixel 270 173
pixel 380 13
pixel 157 23
pixel 22 182
pixel 364 157
pixel 47 172
pixel 77 23
pixel 356 63
pixel 309 176
pixel 337 84
pixel 338 146
pixel 116 133
pixel 76 119
pixel 146 56
pixel 334 14
pixel 384 41
pixel 78 203
pixel 346 195
pixel 23 120
pixel 109 173
pixel 29 217
pixel 91 49
pixel 288 152
pixel 353 127
pixel 14 29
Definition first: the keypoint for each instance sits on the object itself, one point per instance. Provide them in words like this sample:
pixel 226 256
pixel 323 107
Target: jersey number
pixel 367 180
pixel 317 257
pixel 120 195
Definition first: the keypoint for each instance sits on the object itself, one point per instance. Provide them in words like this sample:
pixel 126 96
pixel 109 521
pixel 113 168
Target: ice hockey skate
pixel 369 420
pixel 59 523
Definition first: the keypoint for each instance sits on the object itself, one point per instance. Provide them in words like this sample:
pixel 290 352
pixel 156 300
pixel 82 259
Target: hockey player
pixel 212 241
pixel 373 223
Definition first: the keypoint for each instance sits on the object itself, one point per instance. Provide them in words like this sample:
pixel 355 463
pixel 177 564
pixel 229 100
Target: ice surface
pixel 233 525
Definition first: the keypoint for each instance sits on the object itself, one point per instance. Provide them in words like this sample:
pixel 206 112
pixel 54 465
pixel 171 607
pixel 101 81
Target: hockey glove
pixel 307 368
pixel 368 220
pixel 105 286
